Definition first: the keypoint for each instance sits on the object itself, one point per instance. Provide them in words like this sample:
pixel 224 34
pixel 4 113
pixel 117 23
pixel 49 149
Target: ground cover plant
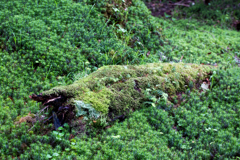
pixel 44 44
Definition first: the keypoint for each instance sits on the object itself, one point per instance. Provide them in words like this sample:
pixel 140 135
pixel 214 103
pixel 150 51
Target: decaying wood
pixel 124 85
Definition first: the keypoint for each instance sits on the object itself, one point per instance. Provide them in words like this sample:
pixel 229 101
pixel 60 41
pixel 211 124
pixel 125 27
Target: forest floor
pixel 128 78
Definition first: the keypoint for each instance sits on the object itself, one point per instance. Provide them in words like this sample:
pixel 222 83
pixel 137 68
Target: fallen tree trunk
pixel 115 91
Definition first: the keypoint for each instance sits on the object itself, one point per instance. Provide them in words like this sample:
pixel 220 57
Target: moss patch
pixel 117 90
pixel 99 100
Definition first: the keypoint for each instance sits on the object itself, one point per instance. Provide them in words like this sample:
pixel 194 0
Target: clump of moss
pixel 100 100
pixel 117 90
pixel 30 118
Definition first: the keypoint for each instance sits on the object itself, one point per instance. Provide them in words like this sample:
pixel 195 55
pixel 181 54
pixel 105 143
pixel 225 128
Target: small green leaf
pixel 153 104
pixel 65 125
pixel 121 29
pixel 55 132
pixel 118 136
pixel 55 154
pixel 115 9
pixel 61 134
pixel 48 156
pixel 60 128
pixel 166 15
pixel 154 99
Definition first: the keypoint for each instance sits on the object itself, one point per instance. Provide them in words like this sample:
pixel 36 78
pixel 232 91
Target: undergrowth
pixel 56 42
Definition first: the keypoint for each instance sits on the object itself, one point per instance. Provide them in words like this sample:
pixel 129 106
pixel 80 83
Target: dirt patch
pixel 160 8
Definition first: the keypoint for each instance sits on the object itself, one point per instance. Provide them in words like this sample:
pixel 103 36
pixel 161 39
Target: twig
pixel 43 109
pixel 38 116
pixel 181 58
pixel 31 128
pixel 48 119
pixel 179 4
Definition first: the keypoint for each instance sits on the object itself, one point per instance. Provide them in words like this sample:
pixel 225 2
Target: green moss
pixel 125 97
pixel 120 89
pixel 99 100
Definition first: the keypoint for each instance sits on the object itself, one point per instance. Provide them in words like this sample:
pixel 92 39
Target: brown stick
pixel 179 4
pixel 181 58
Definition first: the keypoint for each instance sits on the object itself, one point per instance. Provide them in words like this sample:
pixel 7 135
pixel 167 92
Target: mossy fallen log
pixel 116 90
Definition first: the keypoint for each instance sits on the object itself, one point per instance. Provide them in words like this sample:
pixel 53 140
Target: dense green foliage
pixel 55 42
pixel 198 43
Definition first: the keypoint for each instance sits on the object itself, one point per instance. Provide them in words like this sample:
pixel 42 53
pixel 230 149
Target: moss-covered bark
pixel 117 90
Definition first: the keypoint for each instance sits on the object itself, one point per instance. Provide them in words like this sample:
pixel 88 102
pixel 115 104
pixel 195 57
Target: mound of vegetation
pixel 193 42
pixel 49 43
pixel 115 91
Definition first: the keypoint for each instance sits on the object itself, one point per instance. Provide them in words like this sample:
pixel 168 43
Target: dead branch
pixel 180 4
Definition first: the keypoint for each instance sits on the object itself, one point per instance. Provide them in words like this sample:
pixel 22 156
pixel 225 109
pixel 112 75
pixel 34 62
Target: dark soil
pixel 159 8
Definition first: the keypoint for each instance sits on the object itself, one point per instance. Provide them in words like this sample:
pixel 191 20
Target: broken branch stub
pixel 115 91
